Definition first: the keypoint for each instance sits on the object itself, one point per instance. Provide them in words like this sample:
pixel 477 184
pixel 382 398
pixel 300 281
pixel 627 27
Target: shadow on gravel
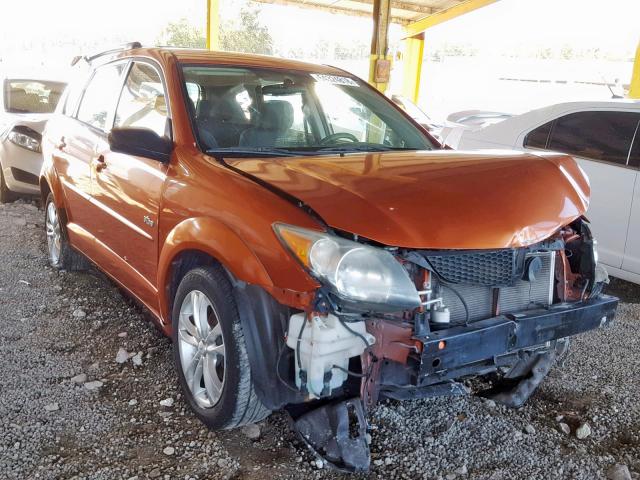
pixel 626 291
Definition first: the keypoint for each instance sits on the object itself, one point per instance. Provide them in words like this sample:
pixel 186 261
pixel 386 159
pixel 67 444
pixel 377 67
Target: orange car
pixel 307 245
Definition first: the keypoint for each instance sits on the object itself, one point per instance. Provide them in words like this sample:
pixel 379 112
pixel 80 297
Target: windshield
pixel 259 110
pixel 31 96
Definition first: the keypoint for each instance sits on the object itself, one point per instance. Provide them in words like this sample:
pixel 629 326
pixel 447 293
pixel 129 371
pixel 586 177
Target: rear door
pixel 75 144
pixel 631 262
pixel 600 141
pixel 128 188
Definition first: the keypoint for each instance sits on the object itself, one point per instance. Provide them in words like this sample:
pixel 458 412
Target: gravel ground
pixel 68 409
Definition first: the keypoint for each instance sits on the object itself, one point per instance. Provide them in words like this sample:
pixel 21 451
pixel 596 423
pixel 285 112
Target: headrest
pixel 224 110
pixel 277 115
pixel 204 108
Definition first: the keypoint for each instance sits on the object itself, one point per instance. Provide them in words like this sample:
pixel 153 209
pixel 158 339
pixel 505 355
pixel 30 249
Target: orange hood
pixel 435 200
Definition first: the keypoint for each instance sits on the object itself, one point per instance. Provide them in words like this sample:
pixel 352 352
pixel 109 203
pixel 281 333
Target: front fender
pixel 214 238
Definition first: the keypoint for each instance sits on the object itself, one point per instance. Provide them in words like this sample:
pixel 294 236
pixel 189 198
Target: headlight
pixel 26 138
pixel 365 276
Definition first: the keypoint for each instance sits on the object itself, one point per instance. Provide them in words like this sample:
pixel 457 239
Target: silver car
pixel 25 108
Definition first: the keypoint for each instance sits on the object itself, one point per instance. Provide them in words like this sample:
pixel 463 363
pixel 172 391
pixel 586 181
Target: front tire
pixel 210 353
pixel 61 255
pixel 6 195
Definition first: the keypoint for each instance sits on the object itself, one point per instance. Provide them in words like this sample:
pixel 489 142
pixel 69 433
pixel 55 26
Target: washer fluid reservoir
pixel 325 343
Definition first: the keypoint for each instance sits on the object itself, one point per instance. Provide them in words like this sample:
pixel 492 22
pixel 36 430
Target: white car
pixel 604 137
pixel 25 107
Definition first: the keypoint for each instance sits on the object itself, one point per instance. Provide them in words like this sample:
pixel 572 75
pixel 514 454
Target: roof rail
pixel 120 48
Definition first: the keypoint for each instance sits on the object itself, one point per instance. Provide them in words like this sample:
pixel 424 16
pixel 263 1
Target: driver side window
pixel 99 96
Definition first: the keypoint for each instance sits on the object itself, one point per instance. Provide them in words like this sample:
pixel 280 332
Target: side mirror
pixel 141 142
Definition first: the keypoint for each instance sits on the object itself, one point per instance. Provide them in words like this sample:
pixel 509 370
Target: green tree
pixel 182 34
pixel 247 34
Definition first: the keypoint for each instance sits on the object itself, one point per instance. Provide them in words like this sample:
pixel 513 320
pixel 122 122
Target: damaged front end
pixel 405 323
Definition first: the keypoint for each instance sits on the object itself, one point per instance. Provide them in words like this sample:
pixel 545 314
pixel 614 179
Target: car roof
pixel 517 125
pixel 30 78
pixel 206 57
pixel 594 104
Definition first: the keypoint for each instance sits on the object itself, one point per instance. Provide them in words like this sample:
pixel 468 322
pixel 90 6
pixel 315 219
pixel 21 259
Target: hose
pixel 464 304
pixel 353 332
pixel 282 380
pixel 349 372
pixel 304 324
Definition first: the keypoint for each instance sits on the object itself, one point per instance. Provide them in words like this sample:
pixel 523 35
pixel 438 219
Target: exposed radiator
pixel 521 296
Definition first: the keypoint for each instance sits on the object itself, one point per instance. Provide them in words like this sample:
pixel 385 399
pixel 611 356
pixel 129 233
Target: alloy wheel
pixel 201 348
pixel 54 236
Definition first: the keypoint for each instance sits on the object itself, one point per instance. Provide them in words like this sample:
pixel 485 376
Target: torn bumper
pixel 337 432
pixel 462 350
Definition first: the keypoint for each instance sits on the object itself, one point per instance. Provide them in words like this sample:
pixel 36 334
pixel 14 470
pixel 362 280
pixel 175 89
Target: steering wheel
pixel 339 136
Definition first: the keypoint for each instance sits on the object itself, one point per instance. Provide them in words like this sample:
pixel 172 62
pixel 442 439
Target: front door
pixel 128 188
pixel 601 142
pixel 631 262
pixel 610 208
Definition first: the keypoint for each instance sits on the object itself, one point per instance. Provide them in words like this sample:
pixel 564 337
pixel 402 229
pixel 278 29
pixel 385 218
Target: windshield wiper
pixel 242 152
pixel 362 148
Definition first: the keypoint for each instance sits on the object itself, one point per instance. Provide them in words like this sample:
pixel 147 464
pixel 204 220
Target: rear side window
pixel 100 96
pixel 143 103
pixel 31 96
pixel 604 136
pixel 538 137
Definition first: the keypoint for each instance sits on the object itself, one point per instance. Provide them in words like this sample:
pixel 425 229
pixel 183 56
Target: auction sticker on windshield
pixel 334 79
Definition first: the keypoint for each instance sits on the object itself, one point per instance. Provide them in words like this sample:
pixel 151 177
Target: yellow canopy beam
pixel 423 24
pixel 213 24
pixel 634 89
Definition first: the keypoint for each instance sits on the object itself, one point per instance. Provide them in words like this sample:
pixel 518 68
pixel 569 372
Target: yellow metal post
pixel 412 57
pixel 634 89
pixel 213 24
pixel 379 44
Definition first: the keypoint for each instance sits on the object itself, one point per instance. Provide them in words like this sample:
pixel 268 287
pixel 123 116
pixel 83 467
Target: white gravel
pixel 119 429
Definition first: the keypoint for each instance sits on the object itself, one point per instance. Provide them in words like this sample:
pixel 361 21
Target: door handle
pixel 61 144
pixel 100 163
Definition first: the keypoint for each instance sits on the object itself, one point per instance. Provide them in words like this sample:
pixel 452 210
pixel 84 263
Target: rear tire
pixel 6 195
pixel 61 255
pixel 210 353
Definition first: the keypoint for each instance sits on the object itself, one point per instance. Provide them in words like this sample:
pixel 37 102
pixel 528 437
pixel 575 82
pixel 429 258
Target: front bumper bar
pixel 461 350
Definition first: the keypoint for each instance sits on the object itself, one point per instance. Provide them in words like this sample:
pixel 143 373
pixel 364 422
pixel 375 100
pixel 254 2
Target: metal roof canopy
pixel 403 12
pixel 416 16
